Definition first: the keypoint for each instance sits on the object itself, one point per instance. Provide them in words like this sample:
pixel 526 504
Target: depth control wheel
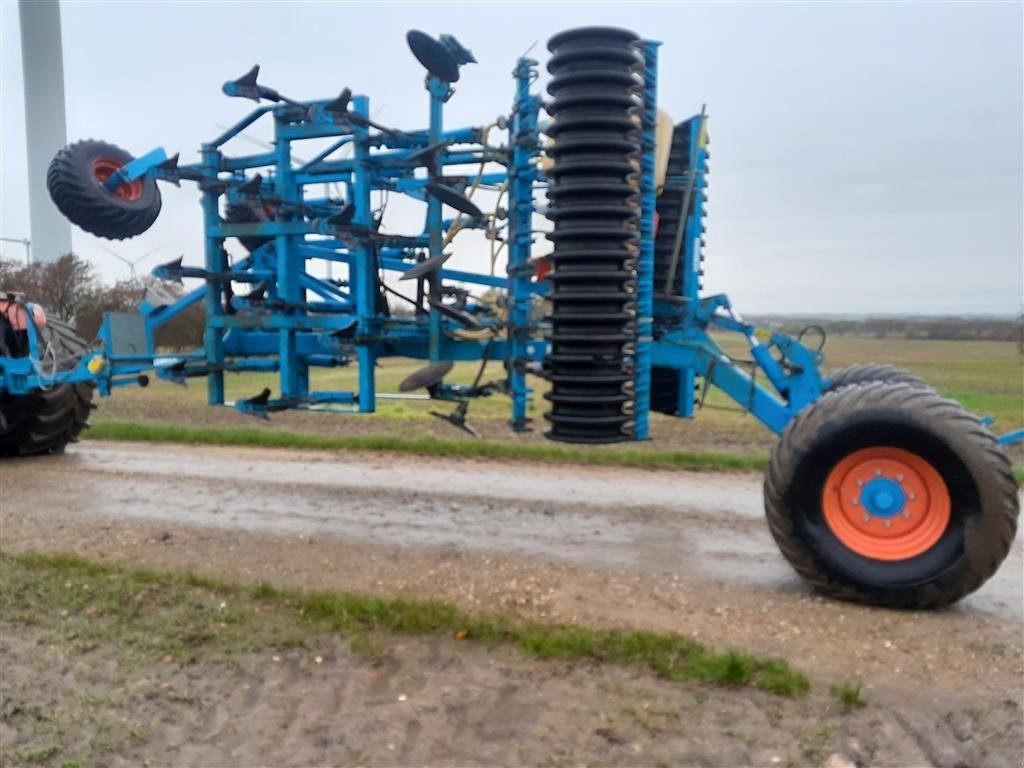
pixel 888 494
pixel 76 178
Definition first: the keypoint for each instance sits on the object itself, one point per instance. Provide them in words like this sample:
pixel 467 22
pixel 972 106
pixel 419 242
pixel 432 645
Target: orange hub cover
pixel 886 503
pixel 103 168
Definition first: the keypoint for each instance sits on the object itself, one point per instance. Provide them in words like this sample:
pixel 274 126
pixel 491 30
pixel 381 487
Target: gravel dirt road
pixel 682 552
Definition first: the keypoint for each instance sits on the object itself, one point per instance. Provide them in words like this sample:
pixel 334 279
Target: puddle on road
pixel 733 495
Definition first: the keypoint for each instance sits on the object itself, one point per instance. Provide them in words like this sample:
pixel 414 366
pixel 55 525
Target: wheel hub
pixel 104 167
pixel 886 503
pixel 883 497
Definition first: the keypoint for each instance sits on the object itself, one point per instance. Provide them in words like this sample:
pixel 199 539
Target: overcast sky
pixel 866 157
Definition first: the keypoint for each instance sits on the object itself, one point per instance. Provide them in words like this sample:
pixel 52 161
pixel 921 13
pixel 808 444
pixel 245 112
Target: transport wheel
pixel 75 180
pixel 889 494
pixel 863 373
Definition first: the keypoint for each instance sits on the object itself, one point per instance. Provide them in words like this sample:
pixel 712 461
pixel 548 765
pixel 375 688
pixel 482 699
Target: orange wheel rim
pixel 886 503
pixel 104 167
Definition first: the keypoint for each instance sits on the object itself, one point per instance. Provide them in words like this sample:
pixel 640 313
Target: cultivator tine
pixel 244 87
pixel 252 186
pixel 343 217
pixel 174 373
pixel 257 406
pixel 339 106
pixel 457 418
pixel 170 270
pixel 169 169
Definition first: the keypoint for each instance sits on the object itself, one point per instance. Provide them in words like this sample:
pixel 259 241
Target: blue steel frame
pixel 289 332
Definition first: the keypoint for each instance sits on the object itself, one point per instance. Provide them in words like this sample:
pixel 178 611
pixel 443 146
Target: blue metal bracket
pixel 136 169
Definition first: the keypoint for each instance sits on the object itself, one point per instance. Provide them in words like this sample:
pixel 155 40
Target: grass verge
pixel 153 614
pixel 260 438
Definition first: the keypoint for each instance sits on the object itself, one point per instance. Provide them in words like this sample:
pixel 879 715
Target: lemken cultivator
pixel 879 490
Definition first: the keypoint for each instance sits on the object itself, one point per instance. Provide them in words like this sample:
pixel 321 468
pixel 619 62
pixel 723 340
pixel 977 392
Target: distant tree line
pixel 70 289
pixel 920 328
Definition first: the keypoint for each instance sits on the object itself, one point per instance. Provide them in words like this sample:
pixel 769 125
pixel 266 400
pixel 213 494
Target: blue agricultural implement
pixel 879 490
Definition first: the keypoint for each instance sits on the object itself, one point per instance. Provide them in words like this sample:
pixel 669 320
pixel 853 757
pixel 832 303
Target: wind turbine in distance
pixel 131 263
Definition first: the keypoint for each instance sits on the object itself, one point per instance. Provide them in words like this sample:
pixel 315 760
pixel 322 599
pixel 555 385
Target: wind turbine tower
pixel 42 61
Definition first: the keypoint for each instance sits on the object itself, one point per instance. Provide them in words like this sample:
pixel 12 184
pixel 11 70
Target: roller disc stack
pixel 676 276
pixel 594 199
pixel 667 243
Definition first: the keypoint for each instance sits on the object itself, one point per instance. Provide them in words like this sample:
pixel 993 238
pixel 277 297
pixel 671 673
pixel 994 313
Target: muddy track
pixel 683 552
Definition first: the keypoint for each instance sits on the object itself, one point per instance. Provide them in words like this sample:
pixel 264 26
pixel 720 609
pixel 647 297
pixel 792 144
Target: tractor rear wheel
pixel 44 422
pixel 76 179
pixel 889 494
pixel 864 373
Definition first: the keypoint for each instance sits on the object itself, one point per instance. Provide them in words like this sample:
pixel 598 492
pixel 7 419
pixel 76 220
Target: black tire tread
pixel 46 421
pixel 984 458
pixel 865 373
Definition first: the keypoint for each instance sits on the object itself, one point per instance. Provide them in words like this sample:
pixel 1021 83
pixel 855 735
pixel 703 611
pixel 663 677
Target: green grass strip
pixel 265 438
pixel 152 613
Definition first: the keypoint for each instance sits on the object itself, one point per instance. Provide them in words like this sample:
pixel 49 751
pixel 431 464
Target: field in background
pixel 986 376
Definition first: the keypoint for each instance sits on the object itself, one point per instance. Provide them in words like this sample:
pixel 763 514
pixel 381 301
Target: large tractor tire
pixel 865 373
pixel 889 494
pixel 44 422
pixel 47 420
pixel 76 179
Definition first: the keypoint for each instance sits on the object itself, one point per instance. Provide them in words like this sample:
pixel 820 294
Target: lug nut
pixel 906 515
pixel 888 523
pixel 878 473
